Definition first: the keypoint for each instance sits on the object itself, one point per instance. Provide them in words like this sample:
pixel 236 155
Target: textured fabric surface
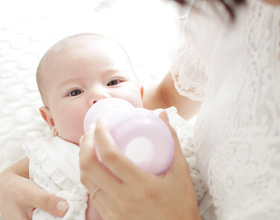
pixel 28 28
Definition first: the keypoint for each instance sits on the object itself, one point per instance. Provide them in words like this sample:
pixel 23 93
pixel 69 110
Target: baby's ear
pixel 47 116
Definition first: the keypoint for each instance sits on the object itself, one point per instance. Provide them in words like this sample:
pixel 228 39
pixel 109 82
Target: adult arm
pixel 164 95
pixel 19 195
pixel 129 192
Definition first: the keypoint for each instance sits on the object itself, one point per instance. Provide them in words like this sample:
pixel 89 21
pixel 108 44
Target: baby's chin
pixel 73 141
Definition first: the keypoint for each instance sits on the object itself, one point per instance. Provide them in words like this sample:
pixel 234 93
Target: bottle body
pixel 140 134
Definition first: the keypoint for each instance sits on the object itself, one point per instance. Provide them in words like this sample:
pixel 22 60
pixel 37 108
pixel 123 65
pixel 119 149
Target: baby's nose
pixel 96 97
pixel 97 92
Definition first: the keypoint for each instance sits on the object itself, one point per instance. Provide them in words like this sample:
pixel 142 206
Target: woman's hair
pixel 229 5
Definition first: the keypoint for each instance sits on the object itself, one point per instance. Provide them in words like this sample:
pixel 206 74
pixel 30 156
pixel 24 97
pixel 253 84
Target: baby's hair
pixel 68 43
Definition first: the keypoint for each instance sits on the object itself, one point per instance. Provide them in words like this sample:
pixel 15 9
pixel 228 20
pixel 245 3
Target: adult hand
pixel 19 195
pixel 127 191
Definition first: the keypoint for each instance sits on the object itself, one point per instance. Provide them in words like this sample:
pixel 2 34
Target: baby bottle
pixel 139 133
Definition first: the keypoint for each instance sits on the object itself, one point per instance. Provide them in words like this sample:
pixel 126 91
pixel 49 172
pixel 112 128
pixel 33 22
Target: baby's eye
pixel 113 82
pixel 75 92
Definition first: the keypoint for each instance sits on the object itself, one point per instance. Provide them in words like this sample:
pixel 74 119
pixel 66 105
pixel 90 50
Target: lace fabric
pixel 195 47
pixel 237 134
pixel 193 87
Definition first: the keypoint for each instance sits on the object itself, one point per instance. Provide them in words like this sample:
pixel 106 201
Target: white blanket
pixel 28 28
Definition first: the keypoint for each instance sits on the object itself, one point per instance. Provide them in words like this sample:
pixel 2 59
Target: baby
pixel 74 74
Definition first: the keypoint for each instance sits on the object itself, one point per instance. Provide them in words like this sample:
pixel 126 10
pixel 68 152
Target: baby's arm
pixel 164 95
pixel 19 195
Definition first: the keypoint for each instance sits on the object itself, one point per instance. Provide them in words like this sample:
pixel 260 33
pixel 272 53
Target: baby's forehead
pixel 84 45
pixel 81 41
pixel 68 48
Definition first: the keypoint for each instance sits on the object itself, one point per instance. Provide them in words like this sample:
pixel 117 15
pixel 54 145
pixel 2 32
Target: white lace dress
pixel 235 69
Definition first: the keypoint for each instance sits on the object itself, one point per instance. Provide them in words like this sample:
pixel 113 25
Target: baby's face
pixel 80 77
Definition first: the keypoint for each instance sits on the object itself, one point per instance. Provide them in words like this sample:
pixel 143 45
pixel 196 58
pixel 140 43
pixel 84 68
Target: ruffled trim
pixel 47 174
pixel 188 72
pixel 37 153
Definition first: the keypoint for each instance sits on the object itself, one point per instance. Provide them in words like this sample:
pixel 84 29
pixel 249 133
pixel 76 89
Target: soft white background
pixel 146 28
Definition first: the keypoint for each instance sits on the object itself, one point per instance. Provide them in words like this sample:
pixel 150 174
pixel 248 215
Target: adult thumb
pixel 179 161
pixel 50 203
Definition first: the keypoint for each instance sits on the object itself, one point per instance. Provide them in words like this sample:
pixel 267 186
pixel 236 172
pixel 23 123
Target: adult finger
pixel 114 159
pixel 178 159
pixel 41 199
pixel 20 196
pixel 93 172
pixel 179 167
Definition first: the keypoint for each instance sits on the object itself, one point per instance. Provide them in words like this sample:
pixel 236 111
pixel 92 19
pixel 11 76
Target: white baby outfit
pixel 54 166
